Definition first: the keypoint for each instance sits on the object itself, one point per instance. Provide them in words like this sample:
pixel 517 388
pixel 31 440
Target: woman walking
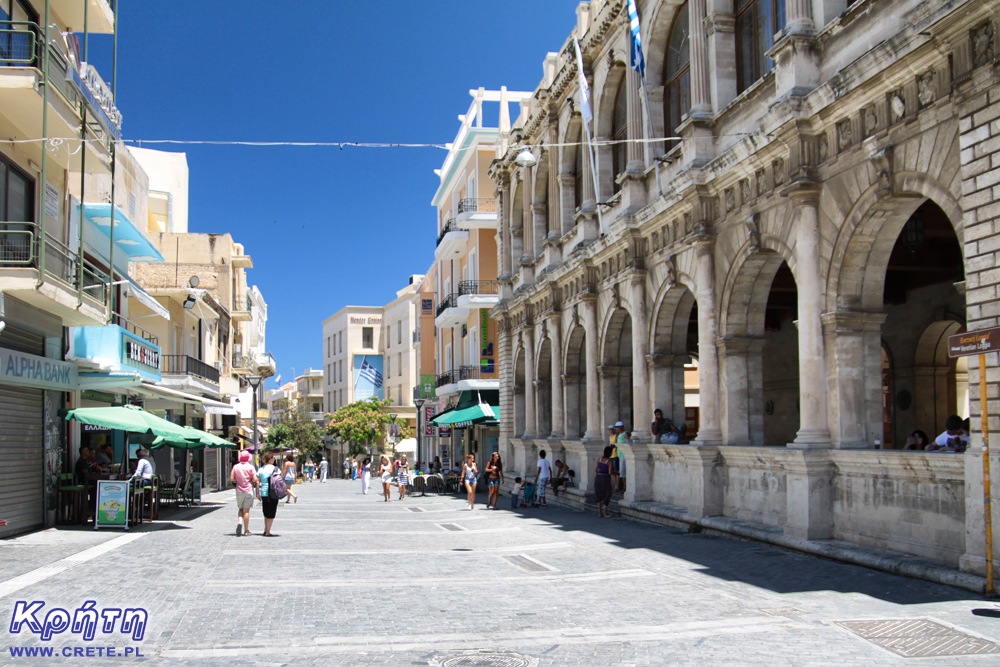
pixel 494 478
pixel 288 472
pixel 366 474
pixel 403 476
pixel 469 475
pixel 385 470
pixel 268 505
pixel 602 482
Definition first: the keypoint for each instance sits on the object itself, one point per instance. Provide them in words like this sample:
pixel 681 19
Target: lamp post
pixel 254 382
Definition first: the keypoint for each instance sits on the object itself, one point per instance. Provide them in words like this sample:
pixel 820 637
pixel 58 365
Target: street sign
pixel 967 344
pixel 974 342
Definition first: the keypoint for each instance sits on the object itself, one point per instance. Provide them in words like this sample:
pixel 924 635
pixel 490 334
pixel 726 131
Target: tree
pixel 296 431
pixel 361 423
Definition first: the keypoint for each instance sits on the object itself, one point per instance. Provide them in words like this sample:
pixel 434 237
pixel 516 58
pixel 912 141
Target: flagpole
pixel 652 133
pixel 587 115
pixel 639 65
pixel 363 359
pixel 593 173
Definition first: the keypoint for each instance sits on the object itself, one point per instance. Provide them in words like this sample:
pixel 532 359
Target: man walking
pixel 542 476
pixel 244 477
pixel 324 467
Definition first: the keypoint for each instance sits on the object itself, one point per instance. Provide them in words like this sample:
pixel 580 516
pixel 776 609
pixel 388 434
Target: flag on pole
pixel 584 87
pixel 369 373
pixel 277 380
pixel 638 62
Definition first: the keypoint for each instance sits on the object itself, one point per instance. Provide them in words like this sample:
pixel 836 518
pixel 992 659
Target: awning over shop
pixel 406 445
pixel 146 299
pixel 470 416
pixel 113 380
pixel 129 239
pixel 216 407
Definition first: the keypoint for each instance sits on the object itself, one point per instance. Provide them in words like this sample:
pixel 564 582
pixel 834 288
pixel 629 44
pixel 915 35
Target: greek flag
pixel 638 62
pixel 369 373
pixel 584 87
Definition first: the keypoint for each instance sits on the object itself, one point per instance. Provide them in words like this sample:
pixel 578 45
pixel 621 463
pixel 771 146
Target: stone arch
pixel 657 28
pixel 616 367
pixel 604 121
pixel 744 296
pixel 575 383
pixel 861 252
pixel 543 388
pixel 942 383
pixel 673 344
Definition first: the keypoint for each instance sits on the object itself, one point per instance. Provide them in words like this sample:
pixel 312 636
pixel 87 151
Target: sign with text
pixel 112 504
pixel 429 412
pixel 139 354
pixel 974 342
pixel 32 371
pixel 427 306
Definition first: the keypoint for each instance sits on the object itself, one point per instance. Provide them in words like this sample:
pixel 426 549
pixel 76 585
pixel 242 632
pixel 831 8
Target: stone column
pixel 594 428
pixel 640 348
pixel 796 70
pixel 701 100
pixel 558 412
pixel 530 427
pixel 634 150
pixel 539 215
pixel 720 28
pixel 710 432
pixel 567 201
pixel 853 342
pixel 609 377
pixel 638 471
pixel 705 467
pixel 553 198
pixel 741 405
pixel 586 452
pixel 528 219
pixel 506 260
pixel 588 200
pixel 814 430
pixel 809 484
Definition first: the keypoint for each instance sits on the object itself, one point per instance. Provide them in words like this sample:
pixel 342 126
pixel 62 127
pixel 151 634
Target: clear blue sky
pixel 326 227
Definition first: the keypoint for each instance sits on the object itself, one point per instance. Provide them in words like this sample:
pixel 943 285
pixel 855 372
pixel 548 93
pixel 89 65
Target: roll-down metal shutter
pixel 211 479
pixel 21 459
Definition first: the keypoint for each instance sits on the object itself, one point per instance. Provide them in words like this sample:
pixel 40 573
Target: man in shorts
pixel 244 476
pixel 542 476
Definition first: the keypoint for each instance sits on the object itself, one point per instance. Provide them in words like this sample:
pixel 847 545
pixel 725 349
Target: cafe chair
pixel 419 484
pixel 71 497
pixel 173 495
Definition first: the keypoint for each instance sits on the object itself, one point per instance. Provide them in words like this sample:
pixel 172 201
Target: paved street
pixel 352 580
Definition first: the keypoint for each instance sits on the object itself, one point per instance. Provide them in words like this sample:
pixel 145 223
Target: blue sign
pixel 33 371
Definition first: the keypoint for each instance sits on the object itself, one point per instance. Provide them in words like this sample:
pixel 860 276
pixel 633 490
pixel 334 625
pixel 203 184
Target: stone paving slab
pixel 352 580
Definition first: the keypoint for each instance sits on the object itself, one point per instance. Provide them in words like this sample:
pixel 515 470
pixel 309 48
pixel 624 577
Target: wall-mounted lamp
pixel 190 301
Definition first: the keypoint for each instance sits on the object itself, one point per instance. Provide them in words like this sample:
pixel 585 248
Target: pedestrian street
pixel 353 580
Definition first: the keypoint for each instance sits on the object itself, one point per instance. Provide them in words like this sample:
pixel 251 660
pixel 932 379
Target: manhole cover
pixel 528 563
pixel 415 509
pixel 451 526
pixel 919 638
pixel 486 659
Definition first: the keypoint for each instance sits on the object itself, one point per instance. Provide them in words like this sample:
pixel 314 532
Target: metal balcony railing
pixel 449 226
pixel 20 45
pixel 478 205
pixel 478 287
pixel 20 244
pixel 450 301
pixel 181 364
pixel 476 373
pixel 132 327
pixel 451 377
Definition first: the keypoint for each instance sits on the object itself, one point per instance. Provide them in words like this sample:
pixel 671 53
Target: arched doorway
pixel 519 423
pixel 543 391
pixel 780 373
pixel 616 370
pixel 674 371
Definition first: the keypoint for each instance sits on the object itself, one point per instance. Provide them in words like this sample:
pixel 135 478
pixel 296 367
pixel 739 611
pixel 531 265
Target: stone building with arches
pixel 783 222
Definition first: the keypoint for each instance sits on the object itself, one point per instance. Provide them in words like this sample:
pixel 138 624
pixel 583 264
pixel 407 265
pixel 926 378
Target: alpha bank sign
pixel 29 370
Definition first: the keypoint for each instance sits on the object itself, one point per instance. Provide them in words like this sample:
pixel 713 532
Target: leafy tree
pixel 363 422
pixel 296 431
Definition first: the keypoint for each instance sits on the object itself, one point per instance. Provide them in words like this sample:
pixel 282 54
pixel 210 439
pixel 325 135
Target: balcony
pixel 449 314
pixel 471 378
pixel 478 213
pixel 266 365
pixel 120 352
pixel 133 328
pixel 446 384
pixel 50 276
pixel 474 294
pixel 100 14
pixel 242 364
pixel 181 364
pixel 452 242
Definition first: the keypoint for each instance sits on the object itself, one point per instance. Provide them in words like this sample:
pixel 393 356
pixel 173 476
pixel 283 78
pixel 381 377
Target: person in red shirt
pixel 244 476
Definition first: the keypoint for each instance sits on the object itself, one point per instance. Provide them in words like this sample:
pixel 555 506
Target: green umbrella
pixel 131 418
pixel 210 439
pixel 204 439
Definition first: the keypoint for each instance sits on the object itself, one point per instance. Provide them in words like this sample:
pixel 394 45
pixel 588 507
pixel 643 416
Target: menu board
pixel 112 504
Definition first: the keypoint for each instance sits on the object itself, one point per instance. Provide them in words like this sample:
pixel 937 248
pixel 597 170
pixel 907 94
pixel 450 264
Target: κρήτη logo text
pixel 84 621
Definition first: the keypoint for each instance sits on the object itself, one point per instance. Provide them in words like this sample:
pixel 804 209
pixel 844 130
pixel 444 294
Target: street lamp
pixel 254 382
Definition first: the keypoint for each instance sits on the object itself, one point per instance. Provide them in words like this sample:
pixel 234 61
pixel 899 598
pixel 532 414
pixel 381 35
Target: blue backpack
pixel 276 487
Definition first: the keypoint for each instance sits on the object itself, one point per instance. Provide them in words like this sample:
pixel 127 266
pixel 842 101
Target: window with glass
pixel 677 75
pixel 620 133
pixel 756 23
pixel 367 338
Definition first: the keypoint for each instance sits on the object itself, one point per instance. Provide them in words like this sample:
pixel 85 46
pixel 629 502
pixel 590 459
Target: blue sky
pixel 325 226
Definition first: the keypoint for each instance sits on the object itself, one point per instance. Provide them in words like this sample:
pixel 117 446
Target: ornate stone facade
pixel 807 242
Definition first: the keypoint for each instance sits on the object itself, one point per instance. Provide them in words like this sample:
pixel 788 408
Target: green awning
pixel 469 416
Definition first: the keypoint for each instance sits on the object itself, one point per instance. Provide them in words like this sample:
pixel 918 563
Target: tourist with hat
pixel 244 476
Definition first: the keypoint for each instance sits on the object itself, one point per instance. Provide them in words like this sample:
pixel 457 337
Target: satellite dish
pixel 193 281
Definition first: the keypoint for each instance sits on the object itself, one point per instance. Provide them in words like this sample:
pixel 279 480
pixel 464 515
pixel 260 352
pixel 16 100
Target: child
pixel 570 479
pixel 516 492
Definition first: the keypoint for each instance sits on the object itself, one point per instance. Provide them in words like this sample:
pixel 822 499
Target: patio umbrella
pixel 210 439
pixel 133 419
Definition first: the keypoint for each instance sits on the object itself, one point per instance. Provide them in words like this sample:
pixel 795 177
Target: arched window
pixel 677 76
pixel 756 23
pixel 620 127
pixel 578 172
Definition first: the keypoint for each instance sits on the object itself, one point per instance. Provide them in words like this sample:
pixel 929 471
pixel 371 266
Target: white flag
pixel 584 87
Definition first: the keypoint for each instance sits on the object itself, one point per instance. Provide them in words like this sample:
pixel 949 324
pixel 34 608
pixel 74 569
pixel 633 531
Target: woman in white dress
pixel 366 475
pixel 385 470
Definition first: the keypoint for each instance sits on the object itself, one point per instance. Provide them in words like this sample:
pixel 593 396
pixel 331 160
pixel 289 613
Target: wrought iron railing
pixel 181 364
pixel 478 287
pixel 450 301
pixel 449 226
pixel 132 327
pixel 451 377
pixel 20 45
pixel 477 372
pixel 477 205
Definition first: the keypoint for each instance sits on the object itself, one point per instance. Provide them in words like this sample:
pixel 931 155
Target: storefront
pixel 32 390
pixel 472 426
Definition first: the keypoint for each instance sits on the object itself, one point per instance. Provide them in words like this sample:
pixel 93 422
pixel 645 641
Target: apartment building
pixel 352 339
pixel 466 286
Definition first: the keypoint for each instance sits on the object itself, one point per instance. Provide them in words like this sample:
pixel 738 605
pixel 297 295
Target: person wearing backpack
pixel 268 503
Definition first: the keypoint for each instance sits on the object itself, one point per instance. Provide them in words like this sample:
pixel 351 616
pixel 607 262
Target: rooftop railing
pixel 181 364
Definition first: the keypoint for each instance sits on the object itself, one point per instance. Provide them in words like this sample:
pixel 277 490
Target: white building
pixel 168 188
